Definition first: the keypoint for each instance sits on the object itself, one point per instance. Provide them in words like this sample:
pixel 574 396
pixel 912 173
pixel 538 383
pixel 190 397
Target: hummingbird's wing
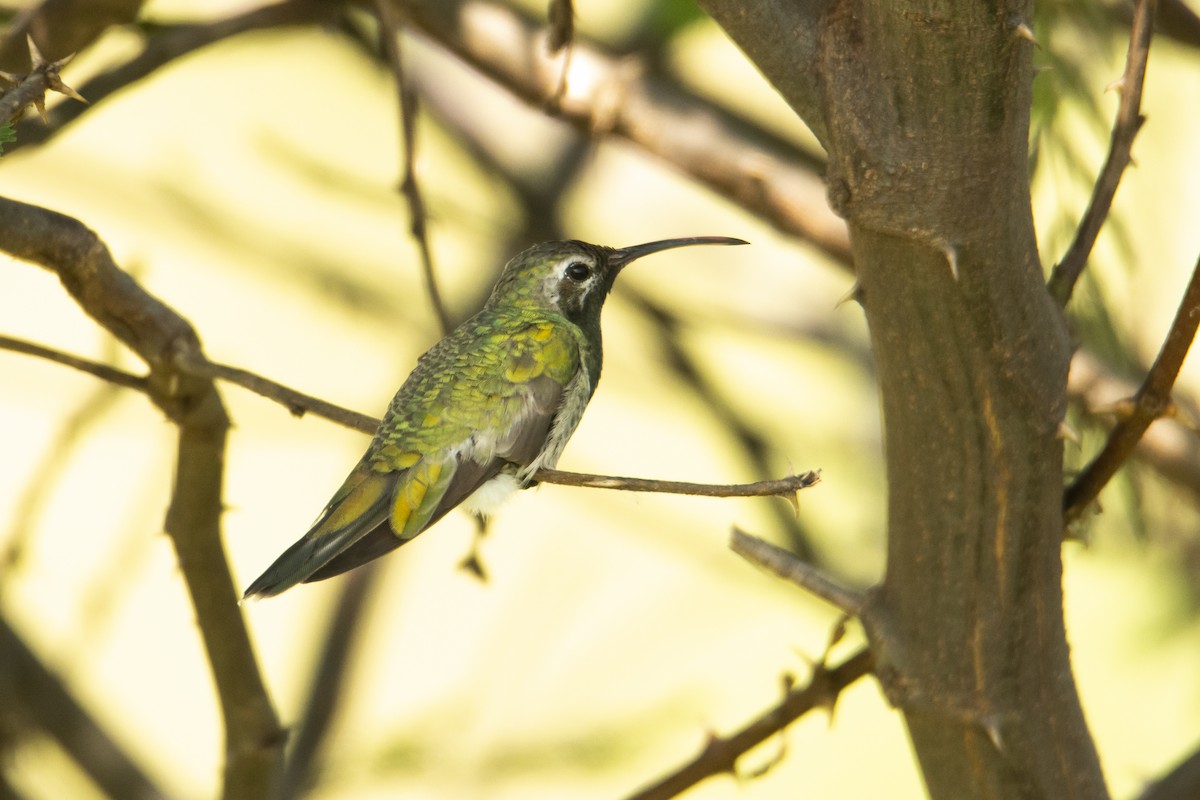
pixel 463 415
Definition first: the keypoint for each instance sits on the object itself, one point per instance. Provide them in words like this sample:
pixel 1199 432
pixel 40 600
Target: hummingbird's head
pixel 573 277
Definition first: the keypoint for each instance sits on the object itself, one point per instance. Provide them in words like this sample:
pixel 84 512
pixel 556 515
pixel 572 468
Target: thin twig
pixel 787 566
pixel 720 754
pixel 1129 120
pixel 389 34
pixel 1148 404
pixel 102 371
pixel 297 403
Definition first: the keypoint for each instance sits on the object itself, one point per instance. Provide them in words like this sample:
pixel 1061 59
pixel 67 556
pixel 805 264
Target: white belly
pixel 488 497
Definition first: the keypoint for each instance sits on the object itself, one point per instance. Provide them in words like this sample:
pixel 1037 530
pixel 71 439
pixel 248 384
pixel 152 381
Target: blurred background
pixel 251 185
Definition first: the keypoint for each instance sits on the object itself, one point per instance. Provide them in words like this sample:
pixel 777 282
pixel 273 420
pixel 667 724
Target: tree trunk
pixel 924 110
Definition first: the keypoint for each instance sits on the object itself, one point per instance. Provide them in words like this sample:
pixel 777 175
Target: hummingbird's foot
pixel 473 563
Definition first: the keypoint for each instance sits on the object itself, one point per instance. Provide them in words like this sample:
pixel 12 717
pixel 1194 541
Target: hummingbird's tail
pixel 372 514
pixel 361 505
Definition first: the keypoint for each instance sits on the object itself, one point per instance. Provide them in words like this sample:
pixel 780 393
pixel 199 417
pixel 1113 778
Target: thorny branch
pixel 1151 400
pixel 31 89
pixel 721 753
pixel 1128 123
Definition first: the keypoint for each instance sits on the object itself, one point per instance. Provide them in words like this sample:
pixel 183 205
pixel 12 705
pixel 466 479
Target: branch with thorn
pixel 31 88
pixel 720 754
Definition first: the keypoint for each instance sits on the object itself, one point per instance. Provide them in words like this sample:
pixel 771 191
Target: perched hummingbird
pixel 483 410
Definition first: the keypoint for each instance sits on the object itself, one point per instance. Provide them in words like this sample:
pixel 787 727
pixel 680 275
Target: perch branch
pixel 781 487
pixel 1128 122
pixel 193 363
pixel 1148 404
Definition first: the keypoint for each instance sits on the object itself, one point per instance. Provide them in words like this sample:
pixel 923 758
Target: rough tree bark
pixel 924 110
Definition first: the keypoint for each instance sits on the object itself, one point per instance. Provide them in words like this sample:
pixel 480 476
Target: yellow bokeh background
pixel 251 187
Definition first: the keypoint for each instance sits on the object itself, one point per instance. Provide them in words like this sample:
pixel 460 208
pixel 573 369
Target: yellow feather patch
pixel 523 369
pixel 413 505
pixel 357 502
pixel 392 458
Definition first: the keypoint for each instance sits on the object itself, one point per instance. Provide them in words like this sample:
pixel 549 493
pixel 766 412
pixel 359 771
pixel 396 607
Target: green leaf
pixel 7 134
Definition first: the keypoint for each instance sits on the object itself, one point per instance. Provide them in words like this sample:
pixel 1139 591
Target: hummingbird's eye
pixel 577 271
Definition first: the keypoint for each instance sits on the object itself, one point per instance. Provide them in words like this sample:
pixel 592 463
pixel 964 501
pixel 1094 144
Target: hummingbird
pixel 483 410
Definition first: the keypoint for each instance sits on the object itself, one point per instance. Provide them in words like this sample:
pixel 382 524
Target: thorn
pixel 1022 31
pixel 855 294
pixel 1068 434
pixel 8 76
pixel 991 725
pixel 55 83
pixel 36 59
pixel 951 254
pixel 1118 85
pixel 40 104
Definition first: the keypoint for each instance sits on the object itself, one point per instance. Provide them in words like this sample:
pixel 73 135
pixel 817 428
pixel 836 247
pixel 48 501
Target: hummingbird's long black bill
pixel 624 255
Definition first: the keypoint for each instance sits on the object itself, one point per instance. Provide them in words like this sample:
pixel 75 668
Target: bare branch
pixel 776 182
pixel 156 332
pixel 787 566
pixel 1129 120
pixel 102 371
pixel 720 754
pixel 1152 398
pixel 389 34
pixel 298 403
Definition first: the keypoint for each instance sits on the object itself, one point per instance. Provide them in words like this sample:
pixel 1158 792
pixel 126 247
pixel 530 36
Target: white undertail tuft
pixel 491 495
